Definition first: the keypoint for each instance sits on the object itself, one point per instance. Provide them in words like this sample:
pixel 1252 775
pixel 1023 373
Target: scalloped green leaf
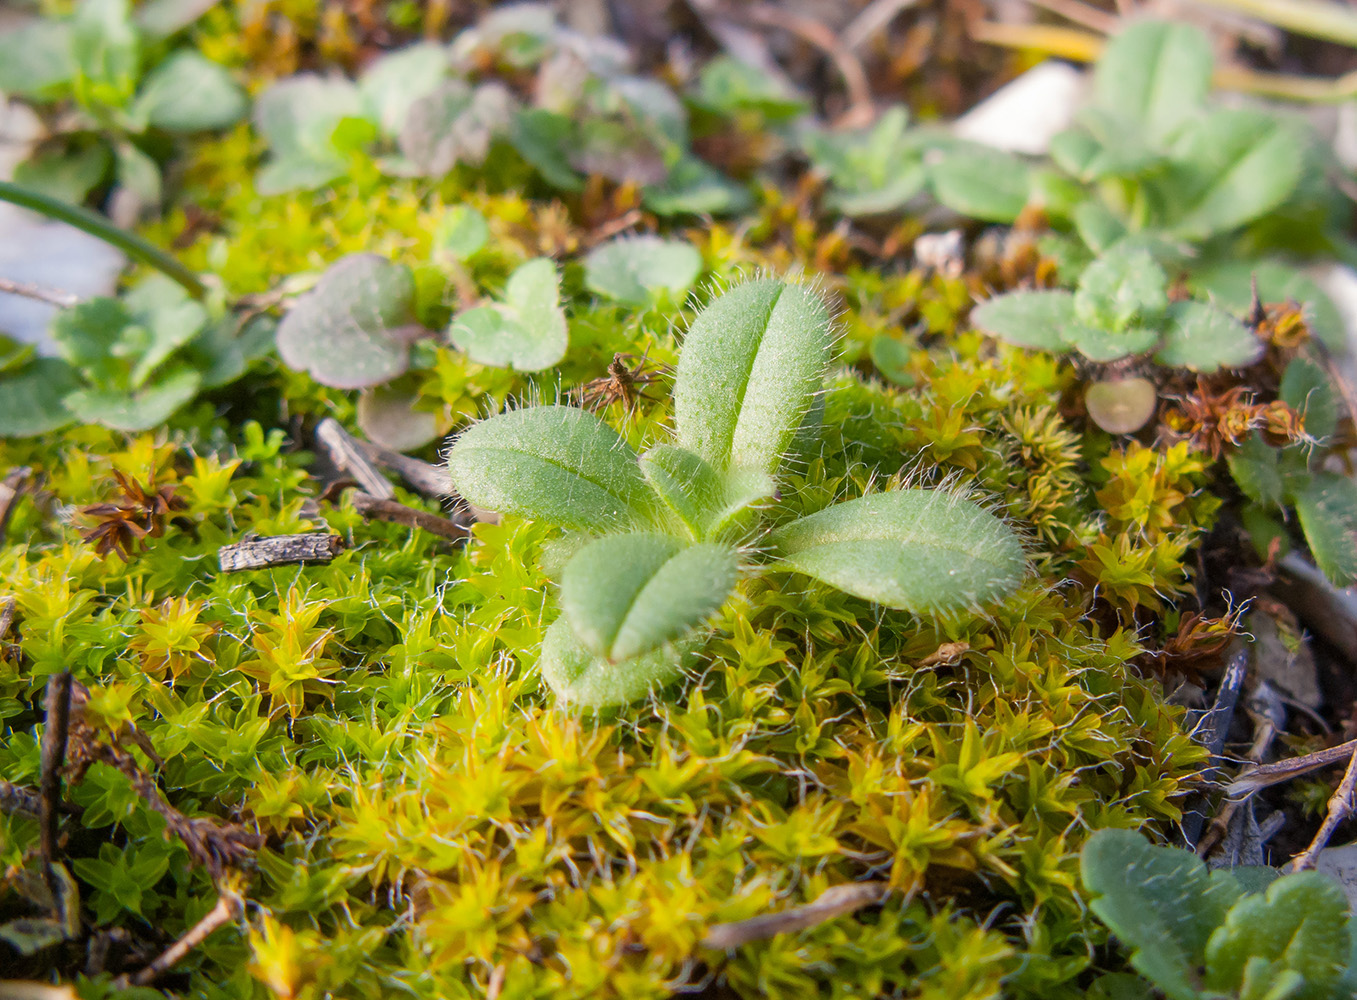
pixel 1291 941
pixel 634 269
pixel 581 678
pixel 557 464
pixel 527 331
pixel 354 329
pixel 1034 320
pixel 31 398
pixel 751 365
pixel 916 550
pixel 1202 338
pixel 1327 506
pixel 299 117
pixel 625 595
pixel 1103 345
pixel 1255 470
pixel 1160 902
pixel 1123 289
pixel 135 411
pixel 1156 74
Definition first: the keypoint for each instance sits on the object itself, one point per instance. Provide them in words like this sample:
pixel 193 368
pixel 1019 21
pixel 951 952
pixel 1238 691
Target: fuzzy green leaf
pixel 190 93
pixel 454 124
pixel 694 187
pixel 624 595
pixel 633 269
pixel 916 550
pixel 704 500
pixel 527 331
pixel 1307 388
pixel 354 329
pixel 1159 901
pixel 30 398
pixel 299 117
pixel 1123 289
pixel 1242 164
pixel 1156 74
pixel 581 678
pixel 1202 338
pixel 1294 935
pixel 557 464
pixel 1027 319
pixel 1328 515
pixel 1254 468
pixel 751 366
pixel 1103 345
pixel 1230 285
pixel 979 182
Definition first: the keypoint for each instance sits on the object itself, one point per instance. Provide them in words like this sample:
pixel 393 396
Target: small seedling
pixel 1199 935
pixel 663 537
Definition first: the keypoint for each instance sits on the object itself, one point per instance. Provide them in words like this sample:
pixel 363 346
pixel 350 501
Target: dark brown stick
pixel 833 902
pixel 53 756
pixel 375 508
pixel 229 906
pixel 279 550
pixel 344 451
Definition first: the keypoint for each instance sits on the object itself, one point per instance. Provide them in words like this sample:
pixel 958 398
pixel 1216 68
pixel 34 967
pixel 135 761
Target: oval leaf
pixel 1027 319
pixel 190 93
pixel 751 366
pixel 581 678
pixel 1156 73
pixel 1328 516
pixel 633 269
pixel 354 328
pixel 979 182
pixel 624 595
pixel 916 550
pixel 556 464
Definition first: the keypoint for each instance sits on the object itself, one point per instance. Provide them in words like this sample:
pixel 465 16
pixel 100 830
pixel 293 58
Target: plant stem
pixel 98 226
pixel 1332 22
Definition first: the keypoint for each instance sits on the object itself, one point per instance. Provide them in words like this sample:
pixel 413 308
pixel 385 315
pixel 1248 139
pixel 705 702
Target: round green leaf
pixel 556 464
pixel 30 398
pixel 1122 289
pixel 527 331
pixel 1027 319
pixel 916 550
pixel 979 182
pixel 624 595
pixel 135 411
pixel 1202 338
pixel 632 269
pixel 355 327
pixel 460 232
pixel 386 414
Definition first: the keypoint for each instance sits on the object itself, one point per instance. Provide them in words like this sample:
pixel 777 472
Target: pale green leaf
pixel 633 269
pixel 1327 506
pixel 752 362
pixel 978 181
pixel 527 331
pixel 30 398
pixel 36 58
pixel 557 464
pixel 917 550
pixel 394 81
pixel 1035 320
pixel 581 678
pixel 627 594
pixel 135 411
pixel 1156 74
pixel 1202 338
pixel 190 93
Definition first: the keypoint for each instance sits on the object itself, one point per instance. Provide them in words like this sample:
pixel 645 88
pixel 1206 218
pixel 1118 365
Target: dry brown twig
pixel 55 738
pixel 254 552
pixel 229 907
pixel 835 901
pixel 1255 779
pixel 344 451
pixel 52 296
pixel 1340 808
pixel 861 109
pixel 377 508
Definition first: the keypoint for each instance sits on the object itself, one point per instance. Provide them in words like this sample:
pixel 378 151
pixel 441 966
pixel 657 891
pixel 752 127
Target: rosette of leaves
pixel 114 91
pixel 662 538
pixel 1276 479
pixel 128 363
pixel 1149 156
pixel 1120 309
pixel 1196 934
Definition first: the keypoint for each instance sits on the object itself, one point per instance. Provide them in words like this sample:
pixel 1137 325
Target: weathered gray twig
pixel 427 480
pixel 15 798
pixel 279 550
pixel 229 906
pixel 833 902
pixel 344 451
pixel 1331 612
pixel 391 510
pixel 53 756
pixel 1340 808
pixel 1253 779
pixel 52 296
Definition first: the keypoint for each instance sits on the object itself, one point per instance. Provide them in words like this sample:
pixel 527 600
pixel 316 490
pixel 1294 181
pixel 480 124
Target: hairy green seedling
pixel 663 537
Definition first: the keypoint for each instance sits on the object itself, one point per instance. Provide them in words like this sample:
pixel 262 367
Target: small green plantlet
pixel 1149 157
pixel 872 170
pixel 98 62
pixel 663 537
pixel 128 363
pixel 1200 935
pixel 525 331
